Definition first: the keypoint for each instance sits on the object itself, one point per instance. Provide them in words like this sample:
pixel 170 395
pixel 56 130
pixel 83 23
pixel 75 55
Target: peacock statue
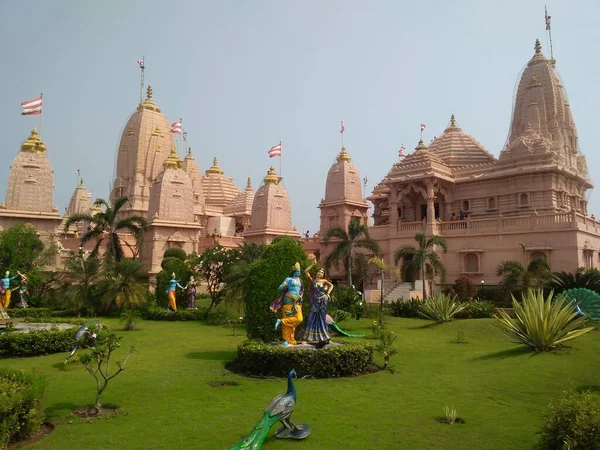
pixel 87 329
pixel 335 326
pixel 587 300
pixel 279 410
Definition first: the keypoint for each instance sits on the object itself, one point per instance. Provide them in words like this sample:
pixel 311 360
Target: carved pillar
pixel 447 210
pixel 394 206
pixel 430 203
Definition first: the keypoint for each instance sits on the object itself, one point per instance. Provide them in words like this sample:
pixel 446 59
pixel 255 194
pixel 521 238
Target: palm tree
pixel 248 252
pixel 357 236
pixel 105 224
pixel 582 278
pixel 422 259
pixel 517 277
pixel 122 287
pixel 83 278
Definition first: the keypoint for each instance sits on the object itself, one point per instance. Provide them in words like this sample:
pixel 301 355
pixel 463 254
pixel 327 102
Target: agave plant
pixel 441 308
pixel 542 323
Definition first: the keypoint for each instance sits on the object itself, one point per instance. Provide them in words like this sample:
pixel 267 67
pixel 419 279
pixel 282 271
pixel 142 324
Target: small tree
pixel 212 265
pixel 122 287
pixel 97 361
pixel 464 288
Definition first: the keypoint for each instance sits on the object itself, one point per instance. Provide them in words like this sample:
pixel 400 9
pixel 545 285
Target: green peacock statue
pixel 335 326
pixel 279 410
pixel 587 300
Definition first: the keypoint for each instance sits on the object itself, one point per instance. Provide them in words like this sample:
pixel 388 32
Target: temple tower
pixel 191 168
pixel 241 209
pixel 171 214
pixel 271 212
pixel 80 204
pixel 144 147
pixel 343 195
pixel 30 191
pixel 219 191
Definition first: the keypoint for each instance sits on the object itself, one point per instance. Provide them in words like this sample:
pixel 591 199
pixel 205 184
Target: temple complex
pixel 528 202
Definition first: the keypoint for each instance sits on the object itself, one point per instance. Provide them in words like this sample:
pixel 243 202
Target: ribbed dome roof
pixel 218 189
pixel 30 181
pixel 343 180
pixel 171 195
pixel 456 148
pixel 80 202
pixel 242 204
pixel 144 147
pixel 271 208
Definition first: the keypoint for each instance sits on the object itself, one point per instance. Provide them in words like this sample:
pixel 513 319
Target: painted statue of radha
pixel 289 305
pixel 318 295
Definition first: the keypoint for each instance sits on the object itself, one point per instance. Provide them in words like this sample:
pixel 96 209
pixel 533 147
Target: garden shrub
pixel 17 313
pixel 73 320
pixel 477 309
pixel 175 252
pixel 218 317
pixel 406 308
pixel 182 272
pixel 36 343
pixel 347 298
pixel 181 315
pixel 464 288
pixel 258 358
pixel 262 286
pixel 572 422
pixel 495 295
pixel 441 308
pixel 21 409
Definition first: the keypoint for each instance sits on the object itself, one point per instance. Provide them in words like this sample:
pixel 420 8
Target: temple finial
pixel 81 182
pixel 189 151
pixel 149 92
pixel 452 121
pixel 538 47
pixel 249 183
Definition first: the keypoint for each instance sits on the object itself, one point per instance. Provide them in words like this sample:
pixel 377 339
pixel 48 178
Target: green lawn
pixel 166 401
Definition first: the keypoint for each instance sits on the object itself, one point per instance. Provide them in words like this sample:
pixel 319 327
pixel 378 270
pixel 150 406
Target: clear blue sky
pixel 245 74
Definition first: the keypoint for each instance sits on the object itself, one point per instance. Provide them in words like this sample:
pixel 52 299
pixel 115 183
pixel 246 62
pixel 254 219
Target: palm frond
pixel 335 232
pixel 407 251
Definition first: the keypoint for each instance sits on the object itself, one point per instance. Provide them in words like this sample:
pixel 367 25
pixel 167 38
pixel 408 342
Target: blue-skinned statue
pixel 171 291
pixel 5 289
pixel 290 305
pixel 279 410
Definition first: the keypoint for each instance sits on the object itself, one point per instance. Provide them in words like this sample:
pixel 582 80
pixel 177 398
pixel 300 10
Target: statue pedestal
pixel 290 433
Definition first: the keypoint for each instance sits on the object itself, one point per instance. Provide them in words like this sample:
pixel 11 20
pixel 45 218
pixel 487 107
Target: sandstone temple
pixel 528 202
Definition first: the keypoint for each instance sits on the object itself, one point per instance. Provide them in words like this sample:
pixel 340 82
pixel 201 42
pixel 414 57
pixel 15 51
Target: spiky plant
pixel 441 308
pixel 541 323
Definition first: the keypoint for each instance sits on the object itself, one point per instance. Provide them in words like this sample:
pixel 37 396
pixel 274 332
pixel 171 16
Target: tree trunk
pixel 423 281
pixel 350 266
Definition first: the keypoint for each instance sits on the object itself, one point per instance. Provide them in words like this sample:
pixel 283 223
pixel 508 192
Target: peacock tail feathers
pixel 587 300
pixel 342 332
pixel 254 439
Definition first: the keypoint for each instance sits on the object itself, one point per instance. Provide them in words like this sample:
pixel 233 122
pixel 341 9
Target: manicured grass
pixel 166 401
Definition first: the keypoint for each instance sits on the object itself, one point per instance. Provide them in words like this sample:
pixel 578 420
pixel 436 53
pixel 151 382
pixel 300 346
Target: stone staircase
pixel 400 290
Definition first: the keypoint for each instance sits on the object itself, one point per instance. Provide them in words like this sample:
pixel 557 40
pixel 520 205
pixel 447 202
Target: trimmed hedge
pixel 258 358
pixel 475 309
pixel 181 315
pixel 21 409
pixel 36 343
pixel 73 320
pixel 16 313
pixel 262 286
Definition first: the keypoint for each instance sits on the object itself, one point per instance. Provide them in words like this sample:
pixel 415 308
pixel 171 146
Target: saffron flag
pixel 176 127
pixel 401 151
pixel 547 19
pixel 342 128
pixel 141 63
pixel 423 126
pixel 32 107
pixel 275 150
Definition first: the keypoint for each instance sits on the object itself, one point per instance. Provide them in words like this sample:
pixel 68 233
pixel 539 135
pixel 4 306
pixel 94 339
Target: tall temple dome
pixel 271 212
pixel 191 168
pixel 219 190
pixel 172 198
pixel 30 182
pixel 343 194
pixel 542 124
pixel 144 147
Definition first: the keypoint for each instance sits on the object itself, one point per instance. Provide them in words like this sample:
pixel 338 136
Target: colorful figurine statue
pixel 318 297
pixel 280 409
pixel 191 293
pixel 290 304
pixel 88 331
pixel 23 291
pixel 5 289
pixel 171 291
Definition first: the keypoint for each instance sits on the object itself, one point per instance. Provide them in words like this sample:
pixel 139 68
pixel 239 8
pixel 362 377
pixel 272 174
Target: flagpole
pixel 143 66
pixel 280 154
pixel 549 29
pixel 41 111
